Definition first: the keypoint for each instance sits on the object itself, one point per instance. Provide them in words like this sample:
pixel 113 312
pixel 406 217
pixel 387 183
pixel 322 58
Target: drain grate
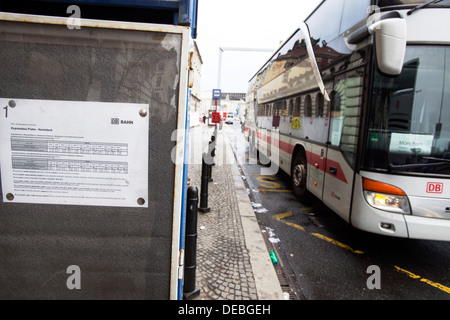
pixel 284 283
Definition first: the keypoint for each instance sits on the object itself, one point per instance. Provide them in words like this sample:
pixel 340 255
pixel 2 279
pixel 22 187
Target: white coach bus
pixel 355 107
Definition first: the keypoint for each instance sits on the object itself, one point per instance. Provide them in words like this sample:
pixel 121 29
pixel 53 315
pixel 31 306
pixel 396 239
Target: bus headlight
pixel 387 202
pixel 385 196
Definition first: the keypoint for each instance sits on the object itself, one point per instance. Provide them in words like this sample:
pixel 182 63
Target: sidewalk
pixel 233 262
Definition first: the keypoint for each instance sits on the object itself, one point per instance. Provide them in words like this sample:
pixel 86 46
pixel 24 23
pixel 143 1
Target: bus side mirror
pixel 390 44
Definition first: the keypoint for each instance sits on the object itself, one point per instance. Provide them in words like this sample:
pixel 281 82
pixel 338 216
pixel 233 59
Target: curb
pixel 267 284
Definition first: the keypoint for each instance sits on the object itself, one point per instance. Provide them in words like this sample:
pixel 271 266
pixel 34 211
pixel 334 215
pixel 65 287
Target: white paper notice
pixel 74 153
pixel 410 143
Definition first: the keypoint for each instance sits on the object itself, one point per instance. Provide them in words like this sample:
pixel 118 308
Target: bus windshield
pixel 409 115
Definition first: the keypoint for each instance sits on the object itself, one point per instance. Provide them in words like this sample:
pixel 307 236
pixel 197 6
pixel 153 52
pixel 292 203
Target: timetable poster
pixel 74 153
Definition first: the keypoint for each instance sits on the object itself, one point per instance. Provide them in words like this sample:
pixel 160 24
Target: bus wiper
pixel 423 5
pixel 439 162
pixel 436 159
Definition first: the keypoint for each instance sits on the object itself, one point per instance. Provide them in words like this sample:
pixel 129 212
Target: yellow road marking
pixel 436 285
pixel 429 282
pixel 410 274
pixel 281 216
pixel 272 190
pixel 337 243
pixel 268 182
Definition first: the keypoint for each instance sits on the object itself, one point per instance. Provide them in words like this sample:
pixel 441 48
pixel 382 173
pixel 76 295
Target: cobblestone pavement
pixel 224 271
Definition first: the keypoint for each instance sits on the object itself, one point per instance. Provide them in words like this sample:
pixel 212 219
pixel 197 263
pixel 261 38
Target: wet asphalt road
pixel 322 257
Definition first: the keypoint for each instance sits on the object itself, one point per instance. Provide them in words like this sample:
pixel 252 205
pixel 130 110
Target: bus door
pixel 273 135
pixel 342 142
pixel 316 169
pixel 338 182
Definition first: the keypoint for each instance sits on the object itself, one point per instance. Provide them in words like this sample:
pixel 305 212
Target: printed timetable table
pixel 68 147
pixel 71 147
pixel 69 165
pixel 71 153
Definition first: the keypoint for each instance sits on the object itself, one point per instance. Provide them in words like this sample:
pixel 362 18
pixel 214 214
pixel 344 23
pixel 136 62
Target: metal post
pixel 190 289
pixel 213 146
pixel 209 164
pixel 210 159
pixel 204 187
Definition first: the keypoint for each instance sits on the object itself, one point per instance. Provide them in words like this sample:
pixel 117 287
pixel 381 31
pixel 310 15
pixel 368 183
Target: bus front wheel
pixel 298 176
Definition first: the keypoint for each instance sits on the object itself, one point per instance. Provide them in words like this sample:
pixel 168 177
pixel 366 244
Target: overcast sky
pixel 243 24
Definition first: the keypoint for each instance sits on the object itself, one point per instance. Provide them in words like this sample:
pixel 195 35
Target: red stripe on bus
pixel 286 147
pixel 311 158
pixel 339 172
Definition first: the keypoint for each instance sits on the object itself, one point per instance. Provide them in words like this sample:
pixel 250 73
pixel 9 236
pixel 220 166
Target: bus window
pixel 345 114
pixel 297 104
pixel 276 114
pixel 319 105
pixel 330 30
pixel 354 11
pixel 291 106
pixel 335 119
pixel 308 106
pixel 409 128
pixel 296 120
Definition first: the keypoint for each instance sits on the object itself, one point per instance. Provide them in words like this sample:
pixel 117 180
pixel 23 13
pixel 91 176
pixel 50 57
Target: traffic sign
pixel 217 93
pixel 215 117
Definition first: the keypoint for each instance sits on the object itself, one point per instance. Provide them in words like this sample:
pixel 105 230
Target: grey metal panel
pixel 123 253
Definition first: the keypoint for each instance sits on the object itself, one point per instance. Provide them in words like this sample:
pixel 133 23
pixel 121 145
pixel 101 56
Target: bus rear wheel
pixel 298 176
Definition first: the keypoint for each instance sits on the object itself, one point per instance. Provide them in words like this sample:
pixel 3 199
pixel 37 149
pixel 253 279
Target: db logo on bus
pixel 435 187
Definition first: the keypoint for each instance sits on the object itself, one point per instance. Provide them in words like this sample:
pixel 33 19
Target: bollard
pixel 213 147
pixel 209 172
pixel 190 290
pixel 215 142
pixel 204 187
pixel 210 161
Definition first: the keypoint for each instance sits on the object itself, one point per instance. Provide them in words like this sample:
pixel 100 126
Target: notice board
pixel 87 178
